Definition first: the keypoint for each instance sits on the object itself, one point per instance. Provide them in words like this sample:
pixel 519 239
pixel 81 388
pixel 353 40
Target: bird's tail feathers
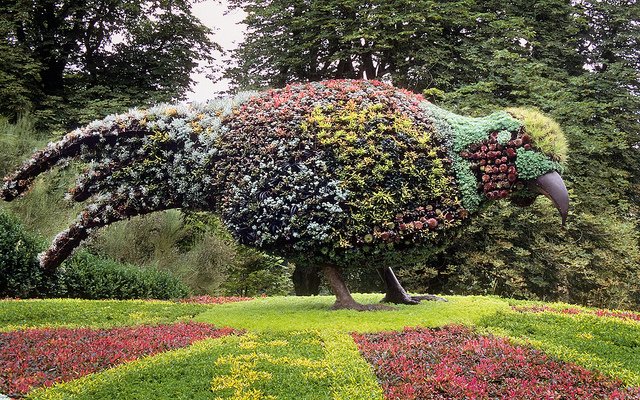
pixel 138 162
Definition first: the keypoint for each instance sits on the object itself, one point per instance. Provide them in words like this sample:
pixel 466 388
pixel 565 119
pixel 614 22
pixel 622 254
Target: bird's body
pixel 338 173
pixel 335 172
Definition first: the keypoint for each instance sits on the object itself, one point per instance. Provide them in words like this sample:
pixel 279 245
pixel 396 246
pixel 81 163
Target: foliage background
pixel 577 61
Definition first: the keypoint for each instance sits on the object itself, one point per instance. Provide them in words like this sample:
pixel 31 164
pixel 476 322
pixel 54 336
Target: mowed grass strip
pixel 293 365
pixel 263 314
pixel 20 314
pixel 605 344
pixel 300 313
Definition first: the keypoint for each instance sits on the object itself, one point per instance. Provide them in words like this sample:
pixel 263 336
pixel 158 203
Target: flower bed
pixel 626 315
pixel 214 300
pixel 455 363
pixel 41 357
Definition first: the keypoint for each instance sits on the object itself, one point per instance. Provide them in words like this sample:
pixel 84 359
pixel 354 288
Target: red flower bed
pixel 214 300
pixel 41 357
pixel 455 363
pixel 629 315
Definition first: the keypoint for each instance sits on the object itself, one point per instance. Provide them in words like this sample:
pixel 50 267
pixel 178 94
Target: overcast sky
pixel 228 33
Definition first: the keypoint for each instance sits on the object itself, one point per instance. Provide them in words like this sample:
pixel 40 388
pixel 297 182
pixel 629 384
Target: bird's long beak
pixel 552 186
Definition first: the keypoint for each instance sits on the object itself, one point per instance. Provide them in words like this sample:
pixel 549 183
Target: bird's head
pixel 522 160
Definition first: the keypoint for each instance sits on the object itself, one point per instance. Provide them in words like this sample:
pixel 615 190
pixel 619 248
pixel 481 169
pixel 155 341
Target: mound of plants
pixel 84 276
pixel 624 315
pixel 344 172
pixel 41 357
pixel 455 363
pixel 20 274
pixel 350 170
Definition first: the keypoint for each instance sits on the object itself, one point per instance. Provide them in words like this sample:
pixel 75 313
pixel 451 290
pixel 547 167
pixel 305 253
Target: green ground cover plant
pixel 296 348
pixel 20 314
pixel 292 365
pixel 299 313
pixel 605 344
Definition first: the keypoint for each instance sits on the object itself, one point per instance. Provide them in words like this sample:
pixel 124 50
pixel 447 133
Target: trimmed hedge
pixel 90 277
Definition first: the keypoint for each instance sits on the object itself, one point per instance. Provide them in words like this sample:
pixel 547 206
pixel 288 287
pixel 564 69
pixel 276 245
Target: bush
pixel 90 277
pixel 197 248
pixel 152 239
pixel 193 247
pixel 84 276
pixel 20 274
pixel 17 141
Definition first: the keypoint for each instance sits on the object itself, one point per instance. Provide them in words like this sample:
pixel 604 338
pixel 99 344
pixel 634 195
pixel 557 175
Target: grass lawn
pixel 296 348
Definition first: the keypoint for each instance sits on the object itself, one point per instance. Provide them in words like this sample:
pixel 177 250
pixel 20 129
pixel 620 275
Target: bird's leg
pixel 396 294
pixel 344 300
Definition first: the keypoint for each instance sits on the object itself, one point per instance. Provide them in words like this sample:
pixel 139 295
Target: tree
pixel 415 44
pixel 596 100
pixel 314 40
pixel 107 53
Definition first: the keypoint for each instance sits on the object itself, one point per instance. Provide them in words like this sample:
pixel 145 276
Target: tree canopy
pixel 71 59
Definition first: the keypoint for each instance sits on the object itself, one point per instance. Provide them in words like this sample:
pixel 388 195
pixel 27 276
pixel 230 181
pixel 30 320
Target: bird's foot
pixel 411 300
pixel 429 297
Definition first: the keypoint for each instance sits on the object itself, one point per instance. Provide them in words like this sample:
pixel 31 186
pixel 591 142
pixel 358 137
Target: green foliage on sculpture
pixel 342 172
pixel 545 133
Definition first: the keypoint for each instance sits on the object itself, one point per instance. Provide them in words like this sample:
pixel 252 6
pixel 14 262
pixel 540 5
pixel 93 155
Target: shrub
pixel 84 276
pixel 204 267
pixel 522 253
pixel 20 274
pixel 259 274
pixel 91 277
pixel 152 239
pixel 17 141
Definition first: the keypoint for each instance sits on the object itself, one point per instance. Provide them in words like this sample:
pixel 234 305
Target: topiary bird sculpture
pixel 332 174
